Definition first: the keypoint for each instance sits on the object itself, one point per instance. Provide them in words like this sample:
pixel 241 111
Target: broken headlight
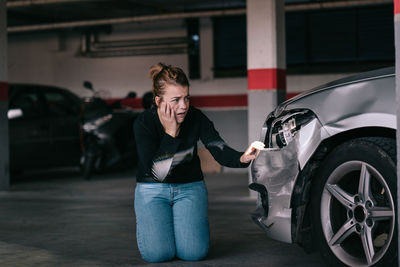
pixel 283 129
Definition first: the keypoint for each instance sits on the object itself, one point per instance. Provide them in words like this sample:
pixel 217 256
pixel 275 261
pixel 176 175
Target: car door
pixel 64 111
pixel 29 132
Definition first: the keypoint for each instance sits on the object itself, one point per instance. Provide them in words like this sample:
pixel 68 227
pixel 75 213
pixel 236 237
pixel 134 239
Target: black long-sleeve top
pixel 163 158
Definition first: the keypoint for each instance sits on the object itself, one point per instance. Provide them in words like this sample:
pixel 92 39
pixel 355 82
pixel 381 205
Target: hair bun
pixel 156 69
pixel 162 75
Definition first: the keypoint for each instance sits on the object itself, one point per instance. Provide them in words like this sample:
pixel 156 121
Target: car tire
pixel 353 204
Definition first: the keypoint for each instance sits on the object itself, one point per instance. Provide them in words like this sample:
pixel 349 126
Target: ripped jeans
pixel 172 221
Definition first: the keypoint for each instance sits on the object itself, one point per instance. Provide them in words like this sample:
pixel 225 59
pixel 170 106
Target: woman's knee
pixel 160 248
pixel 157 256
pixel 188 254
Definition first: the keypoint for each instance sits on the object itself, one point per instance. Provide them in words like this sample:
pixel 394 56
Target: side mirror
pixel 14 113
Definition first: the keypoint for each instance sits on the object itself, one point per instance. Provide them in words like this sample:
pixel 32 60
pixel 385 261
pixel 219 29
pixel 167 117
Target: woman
pixel 170 195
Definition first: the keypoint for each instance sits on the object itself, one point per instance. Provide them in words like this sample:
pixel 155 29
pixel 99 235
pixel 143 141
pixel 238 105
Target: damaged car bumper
pixel 290 139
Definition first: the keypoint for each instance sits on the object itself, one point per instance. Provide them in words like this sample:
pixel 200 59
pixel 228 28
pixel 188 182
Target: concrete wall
pixel 47 58
pixel 51 58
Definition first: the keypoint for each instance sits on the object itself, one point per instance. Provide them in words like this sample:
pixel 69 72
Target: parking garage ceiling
pixel 31 15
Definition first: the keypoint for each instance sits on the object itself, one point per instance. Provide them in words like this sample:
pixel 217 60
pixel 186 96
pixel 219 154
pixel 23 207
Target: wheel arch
pixel 301 222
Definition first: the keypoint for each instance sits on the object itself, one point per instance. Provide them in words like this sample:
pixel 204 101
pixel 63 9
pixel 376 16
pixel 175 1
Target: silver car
pixel 327 177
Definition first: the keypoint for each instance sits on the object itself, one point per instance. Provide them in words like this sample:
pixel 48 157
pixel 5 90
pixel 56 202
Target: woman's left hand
pixel 251 152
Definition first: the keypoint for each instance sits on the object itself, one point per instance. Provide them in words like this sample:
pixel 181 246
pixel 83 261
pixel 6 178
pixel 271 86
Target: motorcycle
pixel 107 135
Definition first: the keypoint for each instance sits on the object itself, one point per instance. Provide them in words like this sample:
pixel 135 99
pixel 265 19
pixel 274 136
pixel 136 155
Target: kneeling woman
pixel 170 195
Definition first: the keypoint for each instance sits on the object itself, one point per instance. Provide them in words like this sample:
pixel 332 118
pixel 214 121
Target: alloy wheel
pixel 357 214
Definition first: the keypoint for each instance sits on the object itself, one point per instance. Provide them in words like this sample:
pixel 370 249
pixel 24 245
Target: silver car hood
pixel 362 77
pixel 367 98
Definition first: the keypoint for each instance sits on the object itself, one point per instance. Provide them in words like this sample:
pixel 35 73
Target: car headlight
pixel 95 124
pixel 287 132
pixel 283 129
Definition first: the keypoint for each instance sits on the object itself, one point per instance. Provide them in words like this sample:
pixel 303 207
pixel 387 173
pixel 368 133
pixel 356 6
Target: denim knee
pixel 157 256
pixel 193 255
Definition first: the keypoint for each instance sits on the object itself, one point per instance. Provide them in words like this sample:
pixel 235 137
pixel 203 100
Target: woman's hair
pixel 163 74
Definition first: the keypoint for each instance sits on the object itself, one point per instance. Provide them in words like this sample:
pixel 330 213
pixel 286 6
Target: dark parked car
pixel 44 127
pixel 327 177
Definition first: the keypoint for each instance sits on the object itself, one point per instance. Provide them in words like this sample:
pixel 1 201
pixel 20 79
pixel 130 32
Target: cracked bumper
pixel 276 172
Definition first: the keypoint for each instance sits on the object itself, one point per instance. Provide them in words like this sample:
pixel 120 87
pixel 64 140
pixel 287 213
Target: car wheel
pixel 353 204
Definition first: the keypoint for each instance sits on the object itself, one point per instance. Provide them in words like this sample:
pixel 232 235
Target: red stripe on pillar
pixel 266 79
pixel 396 6
pixel 3 91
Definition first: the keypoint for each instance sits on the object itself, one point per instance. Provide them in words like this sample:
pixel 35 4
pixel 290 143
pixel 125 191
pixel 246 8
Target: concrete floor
pixel 59 219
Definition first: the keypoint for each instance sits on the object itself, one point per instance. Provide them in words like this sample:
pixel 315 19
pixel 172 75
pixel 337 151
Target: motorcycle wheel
pixel 87 164
pixel 353 204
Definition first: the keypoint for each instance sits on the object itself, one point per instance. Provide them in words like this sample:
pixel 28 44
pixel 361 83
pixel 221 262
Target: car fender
pixel 377 120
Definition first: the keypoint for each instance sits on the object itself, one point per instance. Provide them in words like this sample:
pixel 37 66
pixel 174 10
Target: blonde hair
pixel 163 74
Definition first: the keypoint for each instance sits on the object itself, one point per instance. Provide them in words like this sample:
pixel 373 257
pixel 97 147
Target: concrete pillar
pixel 266 61
pixel 4 144
pixel 397 46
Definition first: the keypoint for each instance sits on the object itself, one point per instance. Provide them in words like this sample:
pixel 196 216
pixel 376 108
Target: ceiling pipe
pixel 228 12
pixel 63 25
pixel 334 4
pixel 297 6
pixel 25 3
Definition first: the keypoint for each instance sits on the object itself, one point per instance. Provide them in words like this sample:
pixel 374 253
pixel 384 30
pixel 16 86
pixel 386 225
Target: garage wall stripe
pixel 266 79
pixel 3 91
pixel 219 101
pixel 205 101
pixel 396 6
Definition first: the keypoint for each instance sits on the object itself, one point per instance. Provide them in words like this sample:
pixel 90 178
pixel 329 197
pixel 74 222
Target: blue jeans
pixel 172 221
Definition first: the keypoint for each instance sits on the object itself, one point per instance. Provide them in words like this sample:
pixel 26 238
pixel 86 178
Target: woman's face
pixel 177 97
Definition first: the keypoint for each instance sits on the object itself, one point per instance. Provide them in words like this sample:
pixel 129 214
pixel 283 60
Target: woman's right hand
pixel 167 118
pixel 252 152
